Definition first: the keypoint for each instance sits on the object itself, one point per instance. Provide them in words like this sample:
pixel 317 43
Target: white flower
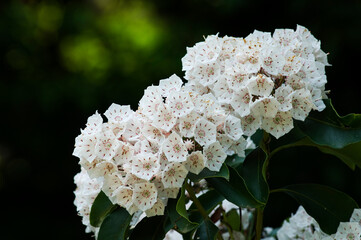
pixel 356 216
pixel 222 91
pixel 241 101
pixel 169 85
pixel 94 124
pixel 173 175
pixel 150 101
pixel 236 80
pixel 260 85
pixel 207 74
pixel 266 107
pixel 118 114
pixel 164 118
pixel 225 141
pixel 152 133
pixel 106 146
pixel 273 60
pixel 189 59
pixel 348 231
pixel 205 132
pixel 157 209
pixel 145 166
pixel 208 51
pixel 301 104
pixel 132 130
pixel 174 148
pixel 144 195
pixel 195 162
pixel 233 128
pixel 187 124
pixel 239 146
pixel 85 147
pixel 250 124
pixel 165 192
pixel 179 103
pixel 87 190
pixel 279 125
pixel 124 154
pixel 123 196
pixel 215 156
pixel 284 97
pixel 111 182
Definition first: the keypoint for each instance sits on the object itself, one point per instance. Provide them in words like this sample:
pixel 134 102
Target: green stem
pixel 259 223
pixel 196 201
pixel 199 206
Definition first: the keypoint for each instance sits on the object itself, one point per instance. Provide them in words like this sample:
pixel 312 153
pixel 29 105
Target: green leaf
pixel 234 190
pixel 350 155
pixel 182 224
pixel 206 231
pixel 233 219
pixel 150 229
pixel 209 201
pixel 206 173
pixel 115 225
pixel 101 207
pixel 253 173
pixel 329 129
pixel 181 204
pixel 326 205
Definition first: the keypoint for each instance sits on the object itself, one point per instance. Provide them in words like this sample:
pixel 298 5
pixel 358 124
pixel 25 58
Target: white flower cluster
pixel 303 226
pixel 142 157
pixel 87 190
pixel 264 80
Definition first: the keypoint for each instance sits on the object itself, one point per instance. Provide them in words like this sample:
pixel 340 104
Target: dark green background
pixel 63 60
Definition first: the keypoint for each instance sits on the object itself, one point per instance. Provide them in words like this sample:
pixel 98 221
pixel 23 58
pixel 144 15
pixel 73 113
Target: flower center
pixel 201 133
pixel 146 194
pixel 249 119
pixel 177 148
pixel 209 155
pixel 171 172
pixel 350 236
pixel 187 125
pixel 268 61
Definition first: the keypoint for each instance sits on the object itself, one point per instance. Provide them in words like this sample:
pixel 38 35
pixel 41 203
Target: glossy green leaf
pixel 115 225
pixel 152 228
pixel 206 231
pixel 234 190
pixel 350 155
pixel 329 129
pixel 206 173
pixel 253 173
pixel 181 204
pixel 101 207
pixel 326 205
pixel 182 224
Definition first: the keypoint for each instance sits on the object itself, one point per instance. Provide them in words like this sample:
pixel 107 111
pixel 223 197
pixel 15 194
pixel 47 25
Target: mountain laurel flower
pixel 265 74
pixel 235 86
pixel 144 195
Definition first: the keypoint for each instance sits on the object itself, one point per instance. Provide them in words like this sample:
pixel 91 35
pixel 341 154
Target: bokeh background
pixel 60 61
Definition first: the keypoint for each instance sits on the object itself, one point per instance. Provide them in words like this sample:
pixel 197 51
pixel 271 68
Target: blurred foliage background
pixel 63 60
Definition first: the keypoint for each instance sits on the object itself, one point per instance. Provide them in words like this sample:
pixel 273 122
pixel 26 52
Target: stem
pixel 199 206
pixel 240 219
pixel 196 201
pixel 259 223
